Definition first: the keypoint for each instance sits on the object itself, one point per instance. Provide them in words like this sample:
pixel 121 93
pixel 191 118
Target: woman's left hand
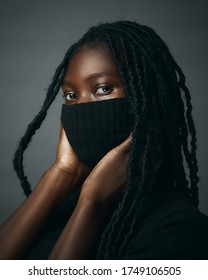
pixel 108 177
pixel 102 186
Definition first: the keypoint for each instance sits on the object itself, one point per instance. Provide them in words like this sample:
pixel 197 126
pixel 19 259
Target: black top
pixel 173 229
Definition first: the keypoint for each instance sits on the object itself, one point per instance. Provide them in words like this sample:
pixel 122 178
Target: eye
pixel 70 96
pixel 102 90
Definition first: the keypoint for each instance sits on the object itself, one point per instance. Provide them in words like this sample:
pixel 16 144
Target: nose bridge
pixel 84 96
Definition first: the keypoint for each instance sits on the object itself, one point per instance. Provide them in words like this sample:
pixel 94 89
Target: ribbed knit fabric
pixel 94 128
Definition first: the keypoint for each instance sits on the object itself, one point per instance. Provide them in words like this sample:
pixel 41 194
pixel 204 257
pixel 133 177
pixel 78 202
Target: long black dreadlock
pixel 161 109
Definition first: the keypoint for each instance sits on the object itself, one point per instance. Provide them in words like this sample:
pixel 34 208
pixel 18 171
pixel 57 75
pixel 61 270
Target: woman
pixel 118 187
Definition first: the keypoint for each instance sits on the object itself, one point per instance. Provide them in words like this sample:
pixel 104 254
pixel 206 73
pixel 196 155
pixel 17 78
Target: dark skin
pixel 91 76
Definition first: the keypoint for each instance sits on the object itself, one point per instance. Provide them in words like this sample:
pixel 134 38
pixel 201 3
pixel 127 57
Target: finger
pixel 126 144
pixel 130 138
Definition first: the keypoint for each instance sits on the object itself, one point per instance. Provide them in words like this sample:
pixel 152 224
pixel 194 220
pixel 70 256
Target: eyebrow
pixel 91 76
pixel 99 74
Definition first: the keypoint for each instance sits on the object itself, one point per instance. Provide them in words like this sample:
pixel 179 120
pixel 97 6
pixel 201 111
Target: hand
pixel 108 177
pixel 92 209
pixel 67 161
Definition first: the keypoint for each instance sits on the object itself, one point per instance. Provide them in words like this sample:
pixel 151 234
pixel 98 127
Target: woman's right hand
pixel 19 231
pixel 67 161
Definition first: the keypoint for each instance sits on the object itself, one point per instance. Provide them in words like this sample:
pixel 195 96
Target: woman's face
pixel 92 76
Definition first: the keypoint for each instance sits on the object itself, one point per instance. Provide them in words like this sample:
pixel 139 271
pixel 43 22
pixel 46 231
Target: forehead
pixel 92 59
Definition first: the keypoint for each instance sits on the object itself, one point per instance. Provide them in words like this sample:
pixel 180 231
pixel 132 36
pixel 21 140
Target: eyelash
pixel 109 90
pixel 65 95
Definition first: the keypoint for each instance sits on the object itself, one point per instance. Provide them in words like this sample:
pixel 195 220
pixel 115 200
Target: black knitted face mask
pixel 94 128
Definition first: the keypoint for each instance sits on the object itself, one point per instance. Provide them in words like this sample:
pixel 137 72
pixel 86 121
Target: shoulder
pixel 174 230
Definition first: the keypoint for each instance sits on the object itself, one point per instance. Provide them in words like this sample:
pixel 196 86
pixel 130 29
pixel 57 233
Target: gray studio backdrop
pixel 34 37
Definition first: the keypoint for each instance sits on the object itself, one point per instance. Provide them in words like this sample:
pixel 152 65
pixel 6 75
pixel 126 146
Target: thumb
pixel 125 146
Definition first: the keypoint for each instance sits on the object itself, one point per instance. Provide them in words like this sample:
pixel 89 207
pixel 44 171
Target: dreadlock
pixel 163 125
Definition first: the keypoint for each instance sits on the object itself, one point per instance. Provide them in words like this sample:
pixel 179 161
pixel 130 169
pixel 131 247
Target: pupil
pixel 72 95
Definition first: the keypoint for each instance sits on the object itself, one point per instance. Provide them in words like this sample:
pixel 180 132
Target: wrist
pixel 78 172
pixel 103 204
pixel 56 182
